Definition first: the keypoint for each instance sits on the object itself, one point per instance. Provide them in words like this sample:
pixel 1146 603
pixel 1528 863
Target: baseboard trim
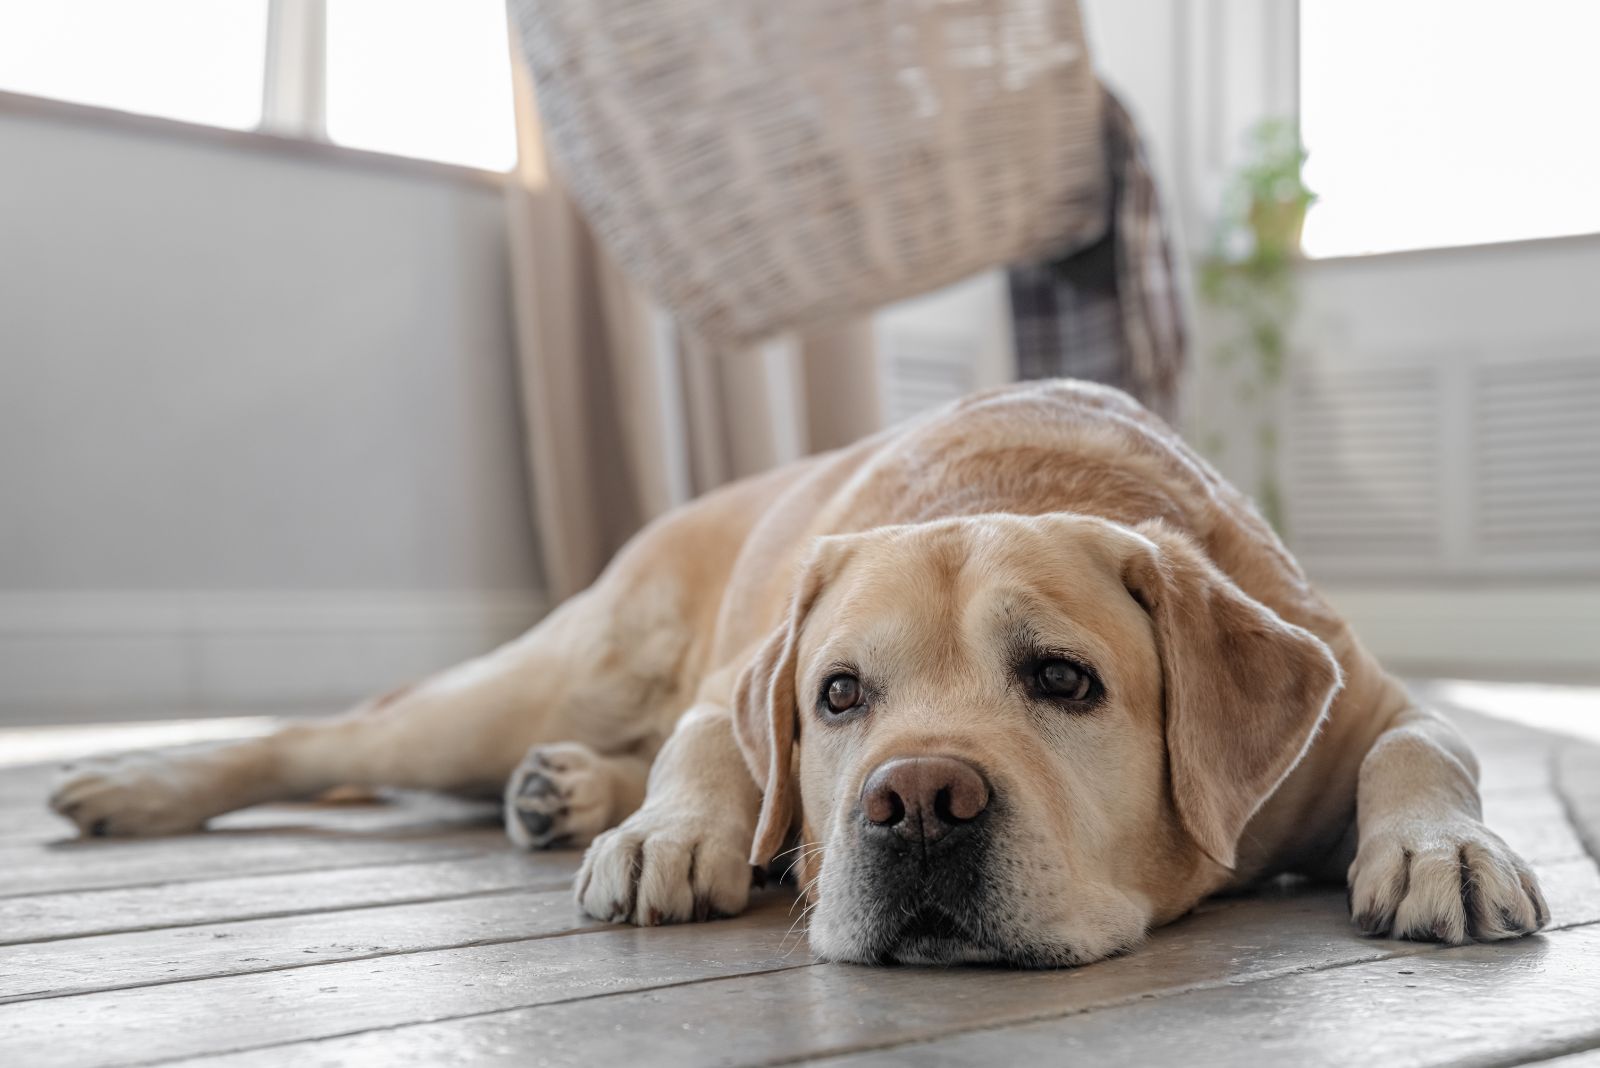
pixel 1535 633
pixel 188 651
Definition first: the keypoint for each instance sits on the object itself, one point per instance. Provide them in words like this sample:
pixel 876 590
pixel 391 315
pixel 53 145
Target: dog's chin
pixel 933 936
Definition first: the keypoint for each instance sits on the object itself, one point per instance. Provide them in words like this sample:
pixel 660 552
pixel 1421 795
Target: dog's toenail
pixel 99 828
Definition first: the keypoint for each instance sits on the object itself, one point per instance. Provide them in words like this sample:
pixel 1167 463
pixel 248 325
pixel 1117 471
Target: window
pixel 423 78
pixel 1435 123
pixel 194 60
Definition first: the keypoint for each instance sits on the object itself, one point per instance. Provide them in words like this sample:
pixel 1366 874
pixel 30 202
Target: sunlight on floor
pixel 1571 710
pixel 36 745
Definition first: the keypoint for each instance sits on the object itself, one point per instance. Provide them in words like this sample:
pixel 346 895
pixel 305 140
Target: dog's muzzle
pixel 925 826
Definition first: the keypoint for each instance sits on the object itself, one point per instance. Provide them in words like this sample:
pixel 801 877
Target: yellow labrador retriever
pixel 1011 683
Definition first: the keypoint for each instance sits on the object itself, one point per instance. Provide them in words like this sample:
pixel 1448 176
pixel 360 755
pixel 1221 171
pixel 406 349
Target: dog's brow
pixel 1016 610
pixel 1010 614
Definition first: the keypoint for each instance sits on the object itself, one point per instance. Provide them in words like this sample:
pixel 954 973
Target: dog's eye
pixel 841 693
pixel 1064 680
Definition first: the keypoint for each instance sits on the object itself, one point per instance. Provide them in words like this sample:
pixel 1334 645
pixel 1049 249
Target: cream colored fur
pixel 667 716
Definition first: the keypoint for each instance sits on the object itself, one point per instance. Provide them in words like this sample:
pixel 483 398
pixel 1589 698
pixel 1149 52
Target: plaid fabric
pixel 1110 311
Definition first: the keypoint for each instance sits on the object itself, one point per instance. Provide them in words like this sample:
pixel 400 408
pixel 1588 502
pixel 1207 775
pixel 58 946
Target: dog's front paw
pixel 1443 882
pixel 143 793
pixel 560 793
pixel 661 866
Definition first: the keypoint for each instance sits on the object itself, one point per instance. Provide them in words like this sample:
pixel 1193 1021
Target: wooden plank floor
pixel 408 933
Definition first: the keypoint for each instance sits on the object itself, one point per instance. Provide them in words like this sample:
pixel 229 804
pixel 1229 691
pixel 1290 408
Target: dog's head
pixel 1017 739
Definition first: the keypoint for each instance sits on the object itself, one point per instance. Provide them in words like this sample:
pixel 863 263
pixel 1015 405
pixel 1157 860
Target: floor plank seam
pixel 554 886
pixel 1572 1048
pixel 1421 949
pixel 313 869
pixel 21 999
pixel 1588 836
pixel 453 1018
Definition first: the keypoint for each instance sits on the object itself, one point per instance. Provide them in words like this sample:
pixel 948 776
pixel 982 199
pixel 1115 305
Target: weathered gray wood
pixel 1587 1059
pixel 107 862
pixel 24 784
pixel 109 962
pixel 204 1016
pixel 1475 1004
pixel 829 1009
pixel 1577 783
pixel 1534 824
pixel 86 912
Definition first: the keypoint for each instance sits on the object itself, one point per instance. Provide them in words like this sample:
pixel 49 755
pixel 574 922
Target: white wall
pixel 226 372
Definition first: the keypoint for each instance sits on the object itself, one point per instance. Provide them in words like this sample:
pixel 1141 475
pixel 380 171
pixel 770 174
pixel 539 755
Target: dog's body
pixel 1066 684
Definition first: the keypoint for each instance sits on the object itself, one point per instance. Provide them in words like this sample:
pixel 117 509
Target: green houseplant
pixel 1248 284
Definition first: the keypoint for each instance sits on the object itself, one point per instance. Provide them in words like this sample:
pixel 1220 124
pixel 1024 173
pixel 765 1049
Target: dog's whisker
pixel 799 921
pixel 815 850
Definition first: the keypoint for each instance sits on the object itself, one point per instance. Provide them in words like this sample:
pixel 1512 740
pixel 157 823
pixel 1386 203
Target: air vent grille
pixel 1450 464
pixel 1362 470
pixel 925 371
pixel 1538 458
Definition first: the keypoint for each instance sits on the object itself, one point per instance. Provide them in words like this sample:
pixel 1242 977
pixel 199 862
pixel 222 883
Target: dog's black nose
pixel 924 798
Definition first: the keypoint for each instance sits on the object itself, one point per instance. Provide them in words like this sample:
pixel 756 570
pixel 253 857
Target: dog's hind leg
pixel 462 730
pixel 608 668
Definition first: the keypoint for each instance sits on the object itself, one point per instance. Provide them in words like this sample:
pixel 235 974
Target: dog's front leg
pixel 683 855
pixel 1426 867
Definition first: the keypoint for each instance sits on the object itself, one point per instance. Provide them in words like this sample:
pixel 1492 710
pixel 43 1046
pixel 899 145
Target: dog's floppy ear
pixel 765 715
pixel 1244 691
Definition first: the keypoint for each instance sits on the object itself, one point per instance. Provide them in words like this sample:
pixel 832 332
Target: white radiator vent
pixel 1538 458
pixel 1362 472
pixel 923 371
pixel 1446 465
pixel 940 347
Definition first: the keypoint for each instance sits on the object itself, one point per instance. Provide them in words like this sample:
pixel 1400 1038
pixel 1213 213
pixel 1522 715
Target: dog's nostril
pixel 884 807
pixel 924 797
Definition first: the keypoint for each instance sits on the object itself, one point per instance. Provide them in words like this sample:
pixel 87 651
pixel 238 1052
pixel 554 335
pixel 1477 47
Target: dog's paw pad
pixel 559 794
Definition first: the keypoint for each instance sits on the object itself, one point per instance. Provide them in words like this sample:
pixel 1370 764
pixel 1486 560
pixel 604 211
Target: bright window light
pixel 1434 123
pixel 428 78
pixel 194 60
